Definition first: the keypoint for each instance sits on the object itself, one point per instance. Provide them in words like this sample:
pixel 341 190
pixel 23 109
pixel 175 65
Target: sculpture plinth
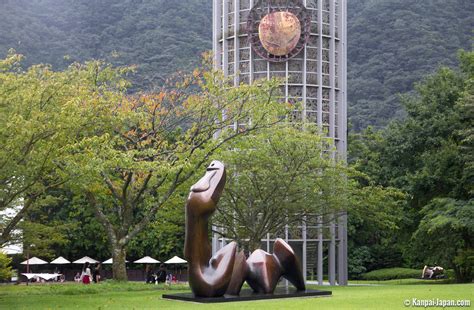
pixel 249 295
pixel 225 272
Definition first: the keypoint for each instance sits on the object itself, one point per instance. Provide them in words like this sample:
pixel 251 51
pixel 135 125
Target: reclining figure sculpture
pixel 227 270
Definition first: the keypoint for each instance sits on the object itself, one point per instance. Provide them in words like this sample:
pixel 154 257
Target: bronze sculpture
pixel 436 272
pixel 227 270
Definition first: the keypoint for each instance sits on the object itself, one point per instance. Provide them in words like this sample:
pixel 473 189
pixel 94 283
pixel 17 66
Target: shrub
pixel 450 274
pixel 5 268
pixel 391 274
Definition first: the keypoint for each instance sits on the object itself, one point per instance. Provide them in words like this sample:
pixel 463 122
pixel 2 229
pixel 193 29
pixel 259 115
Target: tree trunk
pixel 119 269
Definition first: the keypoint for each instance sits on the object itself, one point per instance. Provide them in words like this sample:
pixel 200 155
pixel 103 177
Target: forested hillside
pixel 158 36
pixel 392 43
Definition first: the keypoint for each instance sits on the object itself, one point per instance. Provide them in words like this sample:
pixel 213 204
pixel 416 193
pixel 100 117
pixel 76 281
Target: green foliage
pixel 85 233
pixel 465 109
pixel 5 267
pixel 275 177
pixel 159 37
pixel 421 153
pixel 445 236
pixel 391 274
pixel 371 234
pixel 377 206
pixel 428 155
pixel 391 44
pixel 464 262
pixel 143 151
pixel 41 115
pixel 375 216
pixel 73 225
pixel 125 158
pixel 164 237
pixel 394 43
pixel 43 240
pixel 358 259
pixel 279 175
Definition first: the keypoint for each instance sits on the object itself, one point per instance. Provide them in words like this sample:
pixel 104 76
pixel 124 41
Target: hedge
pixel 392 273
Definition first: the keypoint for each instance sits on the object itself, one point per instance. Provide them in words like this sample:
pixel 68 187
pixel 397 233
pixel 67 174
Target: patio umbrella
pixel 110 261
pixel 85 259
pixel 176 260
pixel 34 261
pixel 147 260
pixel 60 261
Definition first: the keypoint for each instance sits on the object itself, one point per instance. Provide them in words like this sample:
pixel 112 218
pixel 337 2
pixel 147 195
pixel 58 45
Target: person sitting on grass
pixel 161 277
pixel 150 276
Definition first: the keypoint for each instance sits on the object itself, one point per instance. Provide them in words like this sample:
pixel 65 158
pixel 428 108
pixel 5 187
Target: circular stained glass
pixel 278 30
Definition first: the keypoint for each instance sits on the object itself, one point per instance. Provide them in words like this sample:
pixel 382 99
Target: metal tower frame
pixel 317 77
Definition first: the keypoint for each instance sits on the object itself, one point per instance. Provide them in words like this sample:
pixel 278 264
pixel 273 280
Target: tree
pixel 171 35
pixel 280 175
pixel 41 114
pixel 445 236
pixel 391 43
pixel 275 177
pixel 147 146
pixel 428 155
pixel 374 237
pixel 465 108
pixel 448 219
pixel 164 237
pixel 375 218
pixel 43 229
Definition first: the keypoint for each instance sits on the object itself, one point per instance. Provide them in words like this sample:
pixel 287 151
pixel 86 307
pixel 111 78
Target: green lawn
pixel 385 295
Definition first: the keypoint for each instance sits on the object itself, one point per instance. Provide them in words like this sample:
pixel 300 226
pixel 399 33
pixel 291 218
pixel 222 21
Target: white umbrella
pixel 34 261
pixel 147 260
pixel 60 261
pixel 110 261
pixel 85 259
pixel 176 260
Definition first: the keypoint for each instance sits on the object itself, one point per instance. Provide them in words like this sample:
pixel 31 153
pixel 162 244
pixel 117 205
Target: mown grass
pixel 140 296
pixel 79 289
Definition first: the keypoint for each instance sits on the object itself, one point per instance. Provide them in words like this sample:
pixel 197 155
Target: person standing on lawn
pixel 96 273
pixel 86 274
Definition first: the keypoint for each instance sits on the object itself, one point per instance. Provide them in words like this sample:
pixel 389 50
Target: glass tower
pixel 304 43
